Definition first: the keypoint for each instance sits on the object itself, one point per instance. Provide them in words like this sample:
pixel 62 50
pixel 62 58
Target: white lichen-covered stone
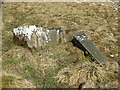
pixel 36 37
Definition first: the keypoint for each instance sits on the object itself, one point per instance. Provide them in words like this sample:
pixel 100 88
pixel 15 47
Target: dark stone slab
pixel 84 43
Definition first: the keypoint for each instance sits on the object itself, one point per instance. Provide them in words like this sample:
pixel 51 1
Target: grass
pixel 11 62
pixel 7 44
pixel 49 80
pixel 98 22
pixel 7 81
pixel 30 73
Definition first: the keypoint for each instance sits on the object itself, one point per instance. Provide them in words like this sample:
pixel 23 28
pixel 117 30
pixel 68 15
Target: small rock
pixel 112 56
pixel 116 55
pixel 93 4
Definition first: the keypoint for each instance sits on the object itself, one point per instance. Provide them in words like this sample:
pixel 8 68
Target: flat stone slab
pixel 83 40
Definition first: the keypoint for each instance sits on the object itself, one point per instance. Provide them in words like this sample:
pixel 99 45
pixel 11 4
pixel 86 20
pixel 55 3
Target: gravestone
pixel 37 37
pixel 83 42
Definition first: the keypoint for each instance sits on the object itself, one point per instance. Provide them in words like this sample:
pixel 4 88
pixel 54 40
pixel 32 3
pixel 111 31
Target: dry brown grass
pixel 13 81
pixel 88 74
pixel 99 22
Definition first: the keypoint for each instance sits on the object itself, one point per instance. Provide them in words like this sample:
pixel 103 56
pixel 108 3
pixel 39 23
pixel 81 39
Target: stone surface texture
pixel 35 37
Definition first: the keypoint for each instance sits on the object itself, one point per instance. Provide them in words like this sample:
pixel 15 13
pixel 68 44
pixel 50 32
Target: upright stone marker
pixel 36 37
pixel 82 39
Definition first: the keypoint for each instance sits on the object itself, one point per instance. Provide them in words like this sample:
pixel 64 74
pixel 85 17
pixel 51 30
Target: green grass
pixel 38 78
pixel 31 73
pixel 49 81
pixel 11 62
pixel 7 81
